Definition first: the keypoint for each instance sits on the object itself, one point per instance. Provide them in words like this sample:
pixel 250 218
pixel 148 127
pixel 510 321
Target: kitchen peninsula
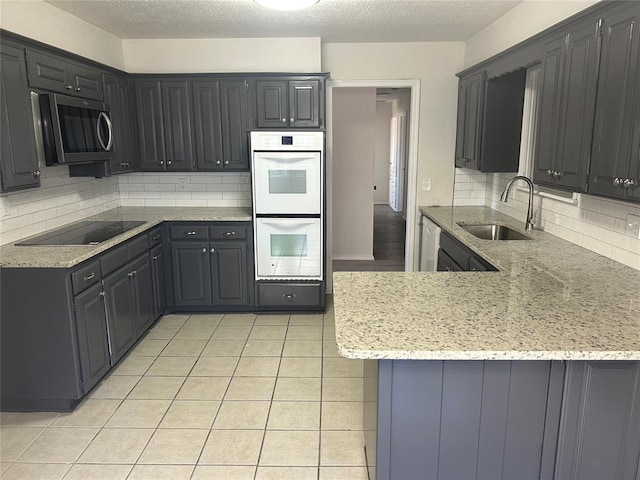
pixel 532 371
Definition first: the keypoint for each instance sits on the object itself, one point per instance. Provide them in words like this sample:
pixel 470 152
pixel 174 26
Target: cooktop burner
pixel 82 233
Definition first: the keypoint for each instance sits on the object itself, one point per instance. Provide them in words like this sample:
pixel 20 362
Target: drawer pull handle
pixel 156 237
pixel 155 257
pixel 191 233
pixel 89 277
pixel 289 296
pixel 130 274
pixel 229 234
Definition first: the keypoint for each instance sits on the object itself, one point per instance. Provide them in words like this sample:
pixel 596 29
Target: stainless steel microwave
pixel 74 130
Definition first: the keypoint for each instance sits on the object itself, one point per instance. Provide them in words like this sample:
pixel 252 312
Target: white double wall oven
pixel 288 204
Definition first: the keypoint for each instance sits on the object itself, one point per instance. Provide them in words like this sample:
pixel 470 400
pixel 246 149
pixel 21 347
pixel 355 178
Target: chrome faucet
pixel 505 196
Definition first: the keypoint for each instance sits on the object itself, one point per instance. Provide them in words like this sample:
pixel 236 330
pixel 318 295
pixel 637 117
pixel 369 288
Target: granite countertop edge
pixel 67 256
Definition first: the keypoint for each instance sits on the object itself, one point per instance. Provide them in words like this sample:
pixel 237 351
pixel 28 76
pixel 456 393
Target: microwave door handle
pixel 107 120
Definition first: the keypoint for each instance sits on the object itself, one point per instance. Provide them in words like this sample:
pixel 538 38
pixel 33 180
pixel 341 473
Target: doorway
pixel 389 222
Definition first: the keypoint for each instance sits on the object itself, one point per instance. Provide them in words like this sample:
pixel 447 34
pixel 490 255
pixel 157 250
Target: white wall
pixel 435 65
pixel 222 55
pixel 44 22
pixel 523 21
pixel 354 130
pixel 382 152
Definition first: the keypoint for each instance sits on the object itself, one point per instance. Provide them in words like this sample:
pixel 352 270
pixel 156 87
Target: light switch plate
pixel 632 228
pixel 426 184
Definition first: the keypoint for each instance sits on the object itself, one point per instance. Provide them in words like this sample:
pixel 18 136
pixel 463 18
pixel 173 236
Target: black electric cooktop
pixel 82 233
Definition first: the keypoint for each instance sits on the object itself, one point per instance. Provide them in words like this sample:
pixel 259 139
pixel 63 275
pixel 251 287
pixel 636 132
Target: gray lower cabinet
pixel 159 282
pixel 121 311
pixel 143 286
pixel 18 158
pixel 502 420
pixel 213 270
pixel 600 425
pixel 93 342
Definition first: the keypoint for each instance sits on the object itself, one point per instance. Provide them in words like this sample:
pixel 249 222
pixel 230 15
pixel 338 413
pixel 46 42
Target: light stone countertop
pixel 31 256
pixel 551 300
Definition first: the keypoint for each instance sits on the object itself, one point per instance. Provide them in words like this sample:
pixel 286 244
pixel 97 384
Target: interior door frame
pixel 412 214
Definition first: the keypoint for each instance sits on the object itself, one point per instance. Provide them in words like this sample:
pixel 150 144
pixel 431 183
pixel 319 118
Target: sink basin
pixel 492 231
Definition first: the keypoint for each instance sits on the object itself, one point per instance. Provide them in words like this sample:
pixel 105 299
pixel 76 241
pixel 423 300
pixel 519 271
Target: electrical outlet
pixel 632 228
pixel 182 184
pixel 426 184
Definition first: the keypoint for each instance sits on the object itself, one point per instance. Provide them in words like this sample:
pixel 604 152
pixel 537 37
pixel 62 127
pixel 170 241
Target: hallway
pixel 388 244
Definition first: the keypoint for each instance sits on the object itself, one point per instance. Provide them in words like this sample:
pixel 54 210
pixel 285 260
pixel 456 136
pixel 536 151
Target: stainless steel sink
pixel 492 231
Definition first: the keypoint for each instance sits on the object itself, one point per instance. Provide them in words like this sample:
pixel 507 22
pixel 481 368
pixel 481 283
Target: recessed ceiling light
pixel 287 4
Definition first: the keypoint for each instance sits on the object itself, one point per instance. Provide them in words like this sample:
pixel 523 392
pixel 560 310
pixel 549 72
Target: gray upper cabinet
pixel 234 114
pixel 19 159
pixel 163 121
pixel 600 421
pixel 207 129
pixel 470 108
pixel 116 96
pixel 288 103
pixel 570 70
pixel 615 155
pixel 51 72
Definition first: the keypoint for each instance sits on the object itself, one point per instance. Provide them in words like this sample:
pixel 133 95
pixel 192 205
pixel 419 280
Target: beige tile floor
pixel 206 397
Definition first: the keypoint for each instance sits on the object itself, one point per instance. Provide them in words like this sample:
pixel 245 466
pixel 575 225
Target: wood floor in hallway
pixel 388 244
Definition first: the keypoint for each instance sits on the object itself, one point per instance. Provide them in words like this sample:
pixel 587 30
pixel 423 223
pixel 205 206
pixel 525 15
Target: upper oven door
pixel 287 182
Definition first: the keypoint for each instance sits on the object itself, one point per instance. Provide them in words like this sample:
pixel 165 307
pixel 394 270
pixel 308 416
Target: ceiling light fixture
pixel 287 4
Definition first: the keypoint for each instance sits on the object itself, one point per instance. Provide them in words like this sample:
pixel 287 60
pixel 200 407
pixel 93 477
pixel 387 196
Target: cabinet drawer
pixel 233 232
pixel 86 276
pixel 113 259
pixel 155 237
pixel 137 246
pixel 459 253
pixel 189 232
pixel 289 294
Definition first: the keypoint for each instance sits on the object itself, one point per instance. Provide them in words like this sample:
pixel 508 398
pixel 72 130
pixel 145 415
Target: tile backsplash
pixel 595 223
pixel 185 189
pixel 62 200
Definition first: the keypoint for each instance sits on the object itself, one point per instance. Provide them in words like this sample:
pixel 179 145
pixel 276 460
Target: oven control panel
pixel 287 140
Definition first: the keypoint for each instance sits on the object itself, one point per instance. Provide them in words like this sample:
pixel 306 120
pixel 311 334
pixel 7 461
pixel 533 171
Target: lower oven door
pixel 288 248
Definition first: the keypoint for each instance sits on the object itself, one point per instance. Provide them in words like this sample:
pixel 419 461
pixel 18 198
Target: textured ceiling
pixel 331 20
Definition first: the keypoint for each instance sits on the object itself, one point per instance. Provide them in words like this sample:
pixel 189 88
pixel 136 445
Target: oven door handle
pixel 290 223
pixel 287 159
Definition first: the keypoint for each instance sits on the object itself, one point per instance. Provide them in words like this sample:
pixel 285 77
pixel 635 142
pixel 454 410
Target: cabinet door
pixel 304 103
pixel 86 82
pixel 144 294
pixel 548 135
pixel 206 126
pixel 191 273
pixel 48 72
pixel 121 311
pixel 235 138
pixel 271 97
pixel 229 273
pixel 617 85
pixel 159 282
pixel 578 104
pixel 148 114
pixel 126 144
pixel 176 117
pixel 93 343
pixel 600 422
pixel 460 130
pixel 19 159
pixel 113 91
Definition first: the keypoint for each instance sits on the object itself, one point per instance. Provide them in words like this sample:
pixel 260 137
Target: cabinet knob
pixel 36 173
pixel 130 274
pixel 204 250
pixel 77 89
pixel 557 174
pixel 155 257
pixel 550 173
pixel 69 87
pixel 226 162
pixel 291 120
pixel 213 250
pixel 629 183
pixel 218 162
pixel 284 120
pixel 169 162
pixel 160 162
pixel 617 181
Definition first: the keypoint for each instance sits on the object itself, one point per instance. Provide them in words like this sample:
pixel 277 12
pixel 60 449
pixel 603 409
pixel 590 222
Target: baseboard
pixel 353 257
pixel 381 203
